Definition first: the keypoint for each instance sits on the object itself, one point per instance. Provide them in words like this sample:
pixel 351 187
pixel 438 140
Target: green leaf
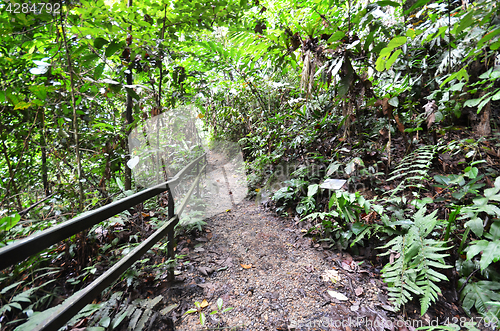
pixel 380 64
pixel 487 37
pixel 202 318
pixel 105 321
pixel 383 3
pixel 465 22
pixel 118 320
pixel 122 187
pixel 482 104
pixel 219 303
pixel 8 222
pixel 113 47
pixel 336 36
pixel 495 45
pixel 98 71
pixel 22 105
pixel 472 102
pixel 100 42
pixel 457 87
pixel 471 172
pixel 494 233
pixel 312 190
pixel 190 311
pixel 396 42
pixel 476 225
pixel 393 59
pixel 40 91
pixel 11 286
pixel 496 96
pixel 394 102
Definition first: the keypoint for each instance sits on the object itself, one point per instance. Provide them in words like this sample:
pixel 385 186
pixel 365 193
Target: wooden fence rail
pixel 21 249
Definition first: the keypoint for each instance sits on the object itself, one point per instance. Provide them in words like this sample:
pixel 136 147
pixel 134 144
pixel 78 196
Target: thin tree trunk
pixel 75 118
pixel 129 119
pixel 45 181
pixel 11 173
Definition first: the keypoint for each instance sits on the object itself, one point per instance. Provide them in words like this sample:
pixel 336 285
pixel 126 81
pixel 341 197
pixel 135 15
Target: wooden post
pixel 170 236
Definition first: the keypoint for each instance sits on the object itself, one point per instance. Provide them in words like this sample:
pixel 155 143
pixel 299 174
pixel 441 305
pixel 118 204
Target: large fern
pixel 416 258
pixel 413 168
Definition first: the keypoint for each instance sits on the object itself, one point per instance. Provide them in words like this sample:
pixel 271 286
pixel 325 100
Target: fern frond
pixel 414 272
pixel 417 162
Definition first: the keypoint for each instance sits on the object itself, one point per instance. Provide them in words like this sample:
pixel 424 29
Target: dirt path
pixel 274 277
pixel 283 289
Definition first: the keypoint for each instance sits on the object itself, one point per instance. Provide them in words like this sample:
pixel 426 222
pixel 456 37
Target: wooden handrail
pixel 23 248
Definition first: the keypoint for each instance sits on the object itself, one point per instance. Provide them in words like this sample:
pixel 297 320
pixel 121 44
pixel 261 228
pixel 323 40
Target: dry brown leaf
pixel 246 266
pixel 204 303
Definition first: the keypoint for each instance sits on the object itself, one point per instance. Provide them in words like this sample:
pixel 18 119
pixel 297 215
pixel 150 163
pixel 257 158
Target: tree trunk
pixel 129 119
pixel 46 188
pixel 480 123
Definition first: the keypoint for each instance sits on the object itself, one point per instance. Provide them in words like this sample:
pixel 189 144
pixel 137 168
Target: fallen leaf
pixel 205 270
pixel 330 275
pixel 337 295
pixel 204 303
pixel 246 266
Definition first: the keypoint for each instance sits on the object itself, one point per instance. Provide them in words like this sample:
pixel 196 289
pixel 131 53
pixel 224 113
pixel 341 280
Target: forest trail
pixel 274 277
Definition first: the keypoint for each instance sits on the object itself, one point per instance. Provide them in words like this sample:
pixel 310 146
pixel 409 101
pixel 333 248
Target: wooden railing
pixel 21 249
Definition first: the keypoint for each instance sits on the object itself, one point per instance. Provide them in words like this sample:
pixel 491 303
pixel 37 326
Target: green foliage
pixel 486 204
pixel 308 203
pixel 414 260
pixel 478 295
pixel 200 306
pixel 7 223
pixel 489 247
pixel 191 221
pixel 413 169
pixel 286 196
pixel 341 223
